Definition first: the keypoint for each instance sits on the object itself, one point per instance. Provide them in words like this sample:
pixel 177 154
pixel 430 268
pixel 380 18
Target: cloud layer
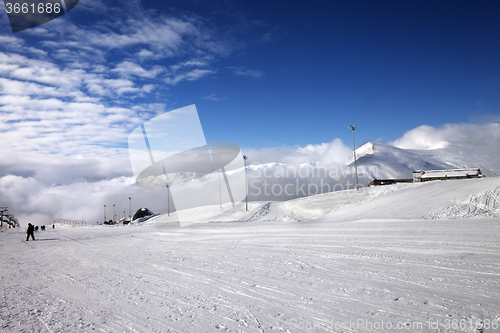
pixel 71 92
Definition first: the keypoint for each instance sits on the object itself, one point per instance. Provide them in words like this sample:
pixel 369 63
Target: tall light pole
pixel 220 193
pixel 168 201
pixel 113 212
pixel 246 183
pixel 104 213
pixel 130 207
pixel 353 127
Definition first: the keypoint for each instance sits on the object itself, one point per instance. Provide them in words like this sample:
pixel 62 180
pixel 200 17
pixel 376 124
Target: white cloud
pixel 11 41
pixel 128 68
pixel 144 54
pixel 193 75
pixel 213 97
pixel 162 37
pixel 195 63
pixel 33 201
pixel 428 137
pixel 248 72
pixel 69 98
pixel 23 68
pixel 334 152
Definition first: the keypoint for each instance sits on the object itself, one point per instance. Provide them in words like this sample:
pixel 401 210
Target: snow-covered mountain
pixel 394 162
pixel 375 160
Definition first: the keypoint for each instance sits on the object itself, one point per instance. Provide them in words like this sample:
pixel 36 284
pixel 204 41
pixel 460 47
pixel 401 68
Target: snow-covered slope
pixel 357 262
pixel 469 198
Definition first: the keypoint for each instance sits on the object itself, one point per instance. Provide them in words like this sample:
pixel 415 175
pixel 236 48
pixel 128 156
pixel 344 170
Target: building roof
pixel 142 212
pixel 454 173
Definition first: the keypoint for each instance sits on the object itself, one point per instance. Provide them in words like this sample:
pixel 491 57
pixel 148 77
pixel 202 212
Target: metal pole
pixel 353 127
pixel 104 213
pixel 113 212
pixel 168 201
pixel 130 207
pixel 246 183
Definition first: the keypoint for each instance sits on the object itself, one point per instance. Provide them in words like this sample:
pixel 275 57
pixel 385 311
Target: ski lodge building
pixel 424 176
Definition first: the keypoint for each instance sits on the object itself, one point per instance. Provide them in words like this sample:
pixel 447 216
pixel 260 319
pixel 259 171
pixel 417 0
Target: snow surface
pixel 425 255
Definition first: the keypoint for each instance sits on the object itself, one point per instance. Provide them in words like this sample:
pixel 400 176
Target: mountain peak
pixel 366 149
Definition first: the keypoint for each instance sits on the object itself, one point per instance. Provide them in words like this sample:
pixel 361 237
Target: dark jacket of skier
pixel 30 232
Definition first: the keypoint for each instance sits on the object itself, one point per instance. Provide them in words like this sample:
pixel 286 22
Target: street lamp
pixel 220 193
pixel 130 207
pixel 352 128
pixel 168 201
pixel 113 212
pixel 104 213
pixel 246 183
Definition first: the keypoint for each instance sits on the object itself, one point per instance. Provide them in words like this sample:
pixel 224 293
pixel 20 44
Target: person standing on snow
pixel 30 232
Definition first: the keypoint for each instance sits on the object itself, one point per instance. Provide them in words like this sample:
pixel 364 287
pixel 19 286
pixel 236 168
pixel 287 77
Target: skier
pixel 30 231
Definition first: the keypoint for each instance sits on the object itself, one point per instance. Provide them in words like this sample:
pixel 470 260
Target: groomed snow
pixel 424 255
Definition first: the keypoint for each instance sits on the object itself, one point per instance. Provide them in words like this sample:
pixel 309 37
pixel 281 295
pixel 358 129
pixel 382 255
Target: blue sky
pixel 270 74
pixel 387 66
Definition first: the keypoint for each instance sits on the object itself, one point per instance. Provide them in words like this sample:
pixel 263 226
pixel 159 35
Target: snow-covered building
pixel 423 176
pixel 378 182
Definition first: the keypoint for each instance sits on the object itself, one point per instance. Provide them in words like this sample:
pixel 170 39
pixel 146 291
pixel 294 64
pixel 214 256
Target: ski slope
pixel 412 257
pixel 468 198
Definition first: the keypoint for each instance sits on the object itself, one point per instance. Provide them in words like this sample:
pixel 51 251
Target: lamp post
pixel 113 212
pixel 246 183
pixel 168 201
pixel 104 213
pixel 130 207
pixel 352 128
pixel 220 193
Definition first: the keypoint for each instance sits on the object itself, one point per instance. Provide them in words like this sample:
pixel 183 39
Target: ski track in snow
pixel 270 274
pixel 250 277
